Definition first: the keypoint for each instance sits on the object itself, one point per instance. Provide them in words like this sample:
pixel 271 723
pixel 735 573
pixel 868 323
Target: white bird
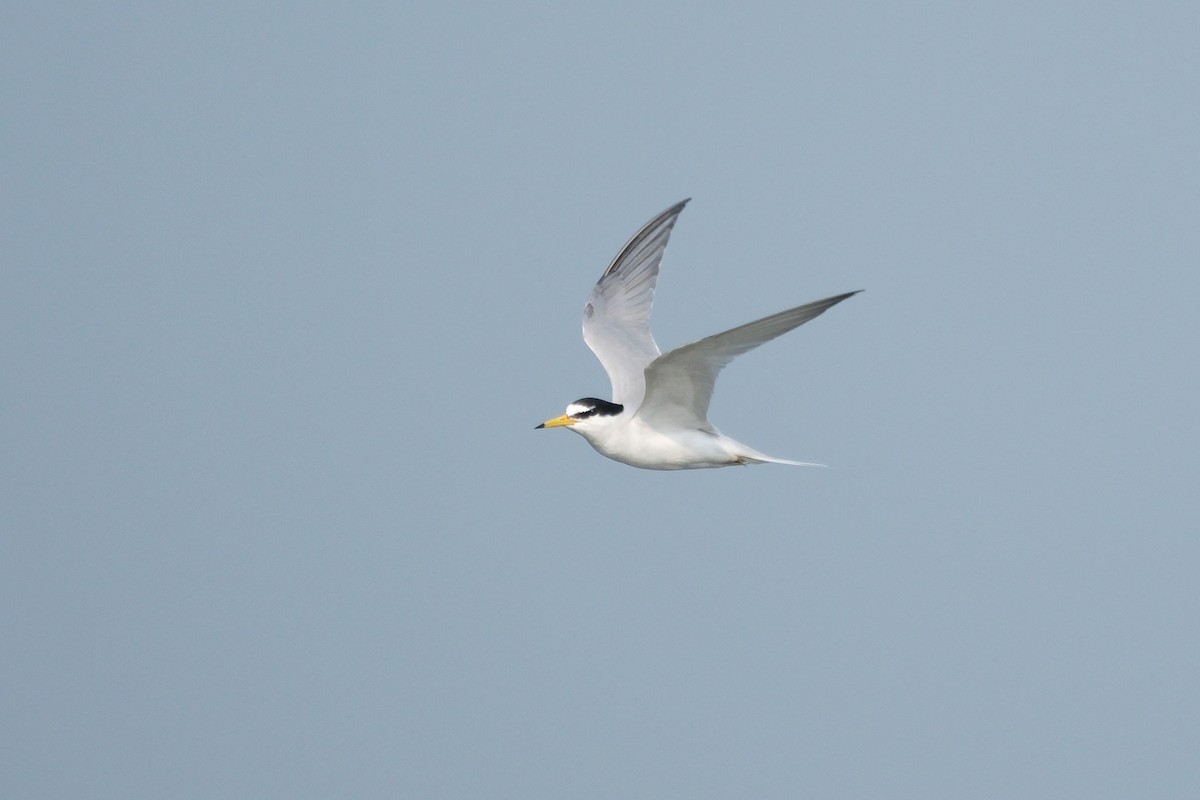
pixel 658 416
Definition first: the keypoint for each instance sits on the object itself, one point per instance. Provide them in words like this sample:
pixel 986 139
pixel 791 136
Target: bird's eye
pixel 581 410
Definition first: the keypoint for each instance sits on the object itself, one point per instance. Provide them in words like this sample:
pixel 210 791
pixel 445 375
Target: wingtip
pixel 675 209
pixel 833 301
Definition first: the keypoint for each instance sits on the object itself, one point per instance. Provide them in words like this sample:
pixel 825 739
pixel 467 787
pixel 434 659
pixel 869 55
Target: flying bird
pixel 658 415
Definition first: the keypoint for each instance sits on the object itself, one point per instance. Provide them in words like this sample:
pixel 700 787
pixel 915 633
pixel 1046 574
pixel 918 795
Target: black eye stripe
pixel 595 407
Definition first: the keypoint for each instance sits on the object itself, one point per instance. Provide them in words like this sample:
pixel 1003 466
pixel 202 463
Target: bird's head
pixel 586 415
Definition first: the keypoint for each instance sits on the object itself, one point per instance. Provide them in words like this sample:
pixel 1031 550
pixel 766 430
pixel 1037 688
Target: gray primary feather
pixel 679 385
pixel 616 319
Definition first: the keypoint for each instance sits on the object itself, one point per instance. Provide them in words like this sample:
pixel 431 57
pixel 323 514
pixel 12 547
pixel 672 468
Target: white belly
pixel 639 445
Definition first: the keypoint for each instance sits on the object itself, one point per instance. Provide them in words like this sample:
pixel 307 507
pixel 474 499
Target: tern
pixel 658 415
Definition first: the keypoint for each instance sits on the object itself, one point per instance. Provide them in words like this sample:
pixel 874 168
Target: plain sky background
pixel 286 286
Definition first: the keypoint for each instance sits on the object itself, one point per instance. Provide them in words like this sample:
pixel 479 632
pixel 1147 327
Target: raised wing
pixel 616 319
pixel 679 385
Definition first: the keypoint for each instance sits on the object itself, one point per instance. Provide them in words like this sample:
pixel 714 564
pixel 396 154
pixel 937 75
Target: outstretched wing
pixel 679 385
pixel 616 319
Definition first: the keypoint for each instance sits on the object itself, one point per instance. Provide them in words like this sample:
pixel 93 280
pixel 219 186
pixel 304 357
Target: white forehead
pixel 578 408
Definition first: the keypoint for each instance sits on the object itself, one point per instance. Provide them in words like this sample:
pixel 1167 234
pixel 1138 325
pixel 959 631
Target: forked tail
pixel 746 455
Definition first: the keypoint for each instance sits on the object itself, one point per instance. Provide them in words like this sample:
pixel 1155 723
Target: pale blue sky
pixel 287 286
